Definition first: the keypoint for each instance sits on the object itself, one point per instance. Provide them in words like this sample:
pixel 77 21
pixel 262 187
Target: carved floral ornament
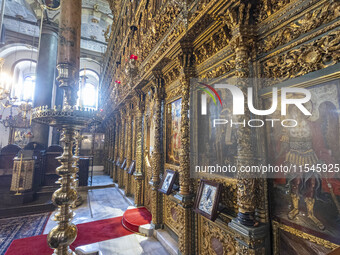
pixel 311 20
pixel 151 28
pixel 238 16
pixel 308 58
pixel 220 70
pixel 216 240
pixel 268 7
pixel 173 216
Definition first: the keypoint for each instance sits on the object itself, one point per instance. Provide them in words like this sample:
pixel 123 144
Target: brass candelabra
pixel 70 119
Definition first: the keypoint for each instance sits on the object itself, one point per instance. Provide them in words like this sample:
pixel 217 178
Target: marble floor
pixel 126 245
pixel 107 203
pixel 100 179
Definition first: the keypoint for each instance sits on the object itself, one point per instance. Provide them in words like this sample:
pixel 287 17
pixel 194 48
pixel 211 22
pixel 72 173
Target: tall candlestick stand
pixel 69 119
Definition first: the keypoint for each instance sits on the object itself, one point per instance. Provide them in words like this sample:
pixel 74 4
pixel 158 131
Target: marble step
pixel 167 241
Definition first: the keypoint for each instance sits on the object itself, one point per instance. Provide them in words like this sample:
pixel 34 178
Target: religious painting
pixel 151 136
pixel 168 182
pixel 290 241
pixel 173 131
pixel 211 145
pixel 131 169
pixel 207 199
pixel 21 136
pixel 307 197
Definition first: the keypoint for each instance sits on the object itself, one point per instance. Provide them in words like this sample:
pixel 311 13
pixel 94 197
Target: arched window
pixel 88 89
pixel 24 81
pixel 28 88
pixel 89 92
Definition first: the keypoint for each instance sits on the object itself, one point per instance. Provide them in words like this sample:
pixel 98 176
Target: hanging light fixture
pixel 5 87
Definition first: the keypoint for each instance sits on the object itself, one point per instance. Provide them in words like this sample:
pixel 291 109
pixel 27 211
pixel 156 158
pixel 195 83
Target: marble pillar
pixel 45 79
pixel 58 101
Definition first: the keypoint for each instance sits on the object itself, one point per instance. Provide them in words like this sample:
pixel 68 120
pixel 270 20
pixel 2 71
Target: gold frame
pixel 166 116
pixel 279 226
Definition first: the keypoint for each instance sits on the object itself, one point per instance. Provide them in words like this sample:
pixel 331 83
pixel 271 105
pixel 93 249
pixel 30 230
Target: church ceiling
pixel 23 16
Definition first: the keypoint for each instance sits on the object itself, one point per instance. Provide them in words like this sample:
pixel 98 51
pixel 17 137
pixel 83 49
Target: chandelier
pixel 5 87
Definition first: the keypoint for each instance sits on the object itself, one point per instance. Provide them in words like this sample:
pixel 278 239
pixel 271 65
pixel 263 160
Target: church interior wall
pixel 274 42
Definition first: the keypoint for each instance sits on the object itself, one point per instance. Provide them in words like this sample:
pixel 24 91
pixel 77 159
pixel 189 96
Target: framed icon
pixel 123 164
pixel 207 199
pixel 117 161
pixel 173 132
pixel 168 182
pixel 132 167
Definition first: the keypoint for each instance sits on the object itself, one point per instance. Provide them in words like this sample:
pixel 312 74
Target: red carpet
pixel 91 232
pixel 134 218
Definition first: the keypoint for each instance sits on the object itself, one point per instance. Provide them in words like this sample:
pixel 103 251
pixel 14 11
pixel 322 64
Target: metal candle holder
pixel 69 119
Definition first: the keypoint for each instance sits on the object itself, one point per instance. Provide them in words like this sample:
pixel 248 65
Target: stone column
pixel 185 197
pixel 116 150
pixel 250 236
pixel 58 101
pixel 128 153
pixel 45 79
pixel 157 154
pixel 138 175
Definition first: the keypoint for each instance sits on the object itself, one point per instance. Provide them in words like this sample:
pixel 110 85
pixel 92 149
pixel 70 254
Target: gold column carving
pixel 107 136
pixel 108 147
pixel 157 154
pixel 116 150
pixel 121 150
pixel 112 149
pixel 111 130
pixel 138 175
pixel 106 150
pixel 127 177
pixel 250 239
pixel 185 238
pixel 188 71
pixel 237 19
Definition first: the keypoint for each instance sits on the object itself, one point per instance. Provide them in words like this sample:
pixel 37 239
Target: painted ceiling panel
pixel 21 16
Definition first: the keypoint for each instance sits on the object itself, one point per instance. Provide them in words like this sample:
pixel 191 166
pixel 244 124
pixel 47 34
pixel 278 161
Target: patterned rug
pixel 20 227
